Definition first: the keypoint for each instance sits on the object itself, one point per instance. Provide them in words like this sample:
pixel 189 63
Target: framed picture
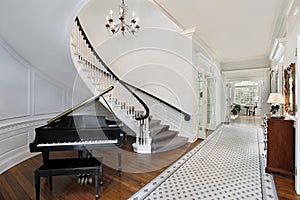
pixel 289 89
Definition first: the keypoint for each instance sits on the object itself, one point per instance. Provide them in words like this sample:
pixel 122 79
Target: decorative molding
pixel 189 32
pixel 279 27
pixel 210 52
pixel 21 125
pixel 296 11
pixel 203 59
pixel 277 49
pixel 17 76
pixel 261 62
pixel 55 94
pixel 246 74
pixel 21 133
pixel 15 158
pixel 290 6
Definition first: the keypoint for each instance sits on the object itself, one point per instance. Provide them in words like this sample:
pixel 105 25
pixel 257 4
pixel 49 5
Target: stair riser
pixel 154 123
pixel 166 146
pixel 155 131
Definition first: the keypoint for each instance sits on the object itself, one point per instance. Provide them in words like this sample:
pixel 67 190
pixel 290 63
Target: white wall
pixel 28 99
pixel 158 58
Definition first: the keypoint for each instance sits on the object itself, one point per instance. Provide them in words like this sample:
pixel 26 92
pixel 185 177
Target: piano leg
pixel 119 159
pixel 96 184
pixel 80 153
pixel 45 155
pixel 37 186
pixel 89 154
pixel 50 183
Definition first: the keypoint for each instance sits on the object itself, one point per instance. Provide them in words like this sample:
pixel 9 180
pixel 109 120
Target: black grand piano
pixel 78 132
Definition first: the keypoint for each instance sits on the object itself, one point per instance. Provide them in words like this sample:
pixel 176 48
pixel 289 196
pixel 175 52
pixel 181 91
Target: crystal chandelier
pixel 133 27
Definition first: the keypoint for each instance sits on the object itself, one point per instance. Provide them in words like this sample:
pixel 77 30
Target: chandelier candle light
pixel 132 28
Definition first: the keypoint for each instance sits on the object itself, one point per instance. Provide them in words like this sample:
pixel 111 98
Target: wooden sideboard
pixel 280 146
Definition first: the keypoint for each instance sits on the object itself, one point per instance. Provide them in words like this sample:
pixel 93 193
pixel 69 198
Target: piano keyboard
pixel 89 142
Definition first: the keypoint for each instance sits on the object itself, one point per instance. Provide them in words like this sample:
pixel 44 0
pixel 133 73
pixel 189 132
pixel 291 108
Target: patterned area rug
pixel 229 164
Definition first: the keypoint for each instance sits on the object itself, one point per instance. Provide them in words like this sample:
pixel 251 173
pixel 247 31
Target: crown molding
pixel 247 64
pixel 196 38
pixel 277 49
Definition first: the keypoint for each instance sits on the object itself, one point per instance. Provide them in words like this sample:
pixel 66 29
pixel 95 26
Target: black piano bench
pixel 69 166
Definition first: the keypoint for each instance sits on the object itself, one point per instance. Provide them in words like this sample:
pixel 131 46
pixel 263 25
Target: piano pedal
pixel 80 179
pixel 90 180
pixel 85 179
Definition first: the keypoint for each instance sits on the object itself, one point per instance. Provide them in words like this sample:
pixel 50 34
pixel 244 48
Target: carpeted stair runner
pixel 164 139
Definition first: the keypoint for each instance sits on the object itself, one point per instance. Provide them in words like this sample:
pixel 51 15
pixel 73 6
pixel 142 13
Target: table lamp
pixel 276 99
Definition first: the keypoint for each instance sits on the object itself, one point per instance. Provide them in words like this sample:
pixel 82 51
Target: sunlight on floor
pixel 247 120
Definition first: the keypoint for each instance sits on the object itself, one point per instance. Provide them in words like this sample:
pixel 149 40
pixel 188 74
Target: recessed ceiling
pixel 234 30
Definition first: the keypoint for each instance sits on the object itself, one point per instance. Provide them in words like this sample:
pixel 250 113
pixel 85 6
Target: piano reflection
pixel 78 132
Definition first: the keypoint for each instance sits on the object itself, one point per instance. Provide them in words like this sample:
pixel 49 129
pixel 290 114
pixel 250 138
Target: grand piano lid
pixel 80 105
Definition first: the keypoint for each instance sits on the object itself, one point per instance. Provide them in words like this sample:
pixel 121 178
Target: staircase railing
pixel 187 117
pixel 123 99
pixel 103 77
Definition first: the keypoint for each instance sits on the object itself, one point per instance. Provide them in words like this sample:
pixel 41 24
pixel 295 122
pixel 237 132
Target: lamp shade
pixel 276 98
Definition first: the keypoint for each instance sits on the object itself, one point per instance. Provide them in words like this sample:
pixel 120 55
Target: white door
pixel 202 106
pixel 297 130
pixel 211 103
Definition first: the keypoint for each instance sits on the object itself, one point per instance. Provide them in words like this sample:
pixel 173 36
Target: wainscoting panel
pixel 47 97
pixel 28 99
pixel 14 143
pixel 14 86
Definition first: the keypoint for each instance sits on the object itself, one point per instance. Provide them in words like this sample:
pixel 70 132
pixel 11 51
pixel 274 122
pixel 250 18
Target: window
pixel 246 92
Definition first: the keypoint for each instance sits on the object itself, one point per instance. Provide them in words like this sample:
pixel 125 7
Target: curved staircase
pixel 151 134
pixel 164 139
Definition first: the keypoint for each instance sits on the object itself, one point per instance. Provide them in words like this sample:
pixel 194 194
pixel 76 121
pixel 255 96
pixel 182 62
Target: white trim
pixel 14 126
pixel 297 124
pixel 21 153
pixel 196 38
pixel 257 70
pixel 15 160
pixel 189 32
pixel 277 47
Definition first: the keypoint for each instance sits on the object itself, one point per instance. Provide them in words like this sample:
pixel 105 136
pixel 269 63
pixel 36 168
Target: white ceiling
pixel 233 30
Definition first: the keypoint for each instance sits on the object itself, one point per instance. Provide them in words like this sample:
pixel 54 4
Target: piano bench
pixel 69 166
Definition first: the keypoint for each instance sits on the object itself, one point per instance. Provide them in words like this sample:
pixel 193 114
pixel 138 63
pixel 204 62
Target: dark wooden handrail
pixel 111 72
pixel 187 117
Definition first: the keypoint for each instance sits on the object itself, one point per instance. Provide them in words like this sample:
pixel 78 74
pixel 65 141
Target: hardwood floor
pixel 18 182
pixel 285 185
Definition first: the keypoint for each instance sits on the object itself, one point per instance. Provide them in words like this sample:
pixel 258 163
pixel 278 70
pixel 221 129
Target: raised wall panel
pixel 15 142
pixel 47 97
pixel 28 99
pixel 14 87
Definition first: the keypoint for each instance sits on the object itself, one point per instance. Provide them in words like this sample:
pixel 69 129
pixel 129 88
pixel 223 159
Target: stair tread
pixel 161 146
pixel 165 135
